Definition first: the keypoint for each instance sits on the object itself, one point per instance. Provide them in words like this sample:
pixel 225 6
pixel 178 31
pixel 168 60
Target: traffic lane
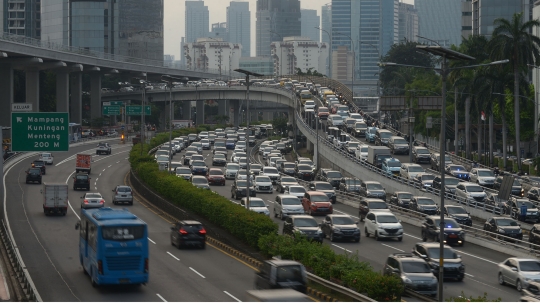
pixel 221 274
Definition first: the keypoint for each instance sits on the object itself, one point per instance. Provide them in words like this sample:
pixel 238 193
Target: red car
pixel 323 113
pixel 317 202
pixel 215 177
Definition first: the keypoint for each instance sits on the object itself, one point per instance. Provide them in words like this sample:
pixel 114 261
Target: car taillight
pixel 183 231
pixel 102 201
pixel 100 267
pixel 202 231
pixel 85 201
pixel 145 264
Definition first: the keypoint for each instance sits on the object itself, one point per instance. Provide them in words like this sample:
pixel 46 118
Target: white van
pixel 335 120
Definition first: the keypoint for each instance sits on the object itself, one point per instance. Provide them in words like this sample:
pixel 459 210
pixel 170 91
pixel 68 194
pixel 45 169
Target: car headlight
pixel 502 231
pixel 368 192
pixel 405 279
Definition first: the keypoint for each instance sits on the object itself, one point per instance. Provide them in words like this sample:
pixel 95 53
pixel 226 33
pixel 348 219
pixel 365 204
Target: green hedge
pixel 322 261
pixel 258 230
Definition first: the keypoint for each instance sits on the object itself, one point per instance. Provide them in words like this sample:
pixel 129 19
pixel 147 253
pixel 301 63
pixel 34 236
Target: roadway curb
pixel 319 295
pixel 235 252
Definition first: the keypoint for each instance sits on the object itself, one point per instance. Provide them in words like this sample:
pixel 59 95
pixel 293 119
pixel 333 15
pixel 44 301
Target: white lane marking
pixel 117 161
pixel 342 248
pixel 100 174
pixel 104 169
pixel 97 179
pixel 345 213
pixel 474 256
pixel 469 275
pixel 109 165
pixel 163 299
pixel 414 237
pixel 393 247
pixel 151 240
pixel 174 256
pixel 197 272
pixel 270 201
pixel 126 158
pixel 95 187
pixel 228 294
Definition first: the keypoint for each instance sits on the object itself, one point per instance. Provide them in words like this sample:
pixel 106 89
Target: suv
pixel 513 208
pixel 470 192
pixel 103 148
pixel 281 274
pixel 383 225
pixel 414 272
pixel 372 189
pixel 424 205
pixel 398 145
pixel 453 233
pixel 81 180
pixel 47 158
pixel 33 175
pixel 287 205
pixel 450 184
pixel 340 227
pixel 39 164
pixel 382 136
pixel 188 232
pixel 453 266
pixel 122 194
pixel 324 187
pixel 239 189
pixel 316 202
pixel 401 198
pixel 371 204
pixel 305 225
pixel 420 154
pixel 331 176
pixel 410 170
pixel 482 176
pixel 504 226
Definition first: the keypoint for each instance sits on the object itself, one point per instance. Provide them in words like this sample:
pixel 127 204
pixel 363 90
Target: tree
pixel 513 40
pixel 308 72
pixel 280 125
pixel 464 298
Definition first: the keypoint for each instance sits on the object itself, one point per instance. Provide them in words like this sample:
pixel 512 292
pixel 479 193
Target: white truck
pixel 55 198
pixel 376 154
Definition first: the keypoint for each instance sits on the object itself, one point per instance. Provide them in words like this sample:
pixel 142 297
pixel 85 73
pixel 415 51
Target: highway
pixel 481 263
pixel 49 244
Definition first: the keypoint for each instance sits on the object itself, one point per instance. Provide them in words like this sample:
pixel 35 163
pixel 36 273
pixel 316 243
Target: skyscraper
pixel 219 30
pixel 21 17
pixel 485 12
pixel 309 20
pixel 326 22
pixel 196 21
pixel 439 20
pixel 239 25
pixel 276 19
pixel 408 22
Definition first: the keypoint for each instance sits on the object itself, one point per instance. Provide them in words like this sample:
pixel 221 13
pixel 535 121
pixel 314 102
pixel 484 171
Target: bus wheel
pixel 94 284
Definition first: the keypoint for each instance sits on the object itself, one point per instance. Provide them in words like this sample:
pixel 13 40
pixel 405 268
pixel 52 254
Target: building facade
pixel 408 22
pixel 210 55
pixel 342 64
pixel 326 23
pixel 536 71
pixel 485 12
pixel 239 25
pixel 219 30
pixel 298 53
pixel 440 20
pixel 197 20
pixel 309 23
pixel 260 65
pixel 276 19
pixel 21 17
pixel 466 19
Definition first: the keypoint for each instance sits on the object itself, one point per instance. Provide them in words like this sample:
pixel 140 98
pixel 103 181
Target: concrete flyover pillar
pixel 62 91
pixel 236 112
pixel 95 95
pixel 75 109
pixel 309 146
pixel 186 110
pixel 6 88
pixel 32 88
pixel 222 108
pixel 200 112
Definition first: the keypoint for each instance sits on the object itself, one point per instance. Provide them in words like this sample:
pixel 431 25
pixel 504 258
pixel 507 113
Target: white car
pixel 184 172
pixel 410 170
pixel 256 204
pixel 287 205
pixel 235 157
pixel 519 272
pixel 482 176
pixel 295 190
pixel 356 116
pixel 231 170
pixel 47 158
pixel 362 152
pixel 271 161
pixel 271 172
pixel 310 104
pixel 203 135
pixel 383 225
pixel 267 151
pixel 205 143
pixel 241 145
pixel 198 145
pixel 471 192
pixel 242 162
pixel 263 184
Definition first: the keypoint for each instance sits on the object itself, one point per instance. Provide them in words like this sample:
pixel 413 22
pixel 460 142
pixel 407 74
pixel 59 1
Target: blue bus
pixel 113 246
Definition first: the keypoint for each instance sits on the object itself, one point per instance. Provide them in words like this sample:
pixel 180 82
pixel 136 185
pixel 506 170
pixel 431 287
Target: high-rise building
pixel 298 53
pixel 131 28
pixel 219 30
pixel 182 58
pixel 239 25
pixel 197 21
pixel 276 19
pixel 485 12
pixel 408 22
pixel 21 17
pixel 213 55
pixel 309 21
pixel 259 65
pixel 326 22
pixel 466 18
pixel 342 64
pixel 439 20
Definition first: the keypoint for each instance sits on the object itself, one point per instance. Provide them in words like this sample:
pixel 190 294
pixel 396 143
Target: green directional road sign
pixel 135 110
pixel 120 103
pixel 31 132
pixel 111 110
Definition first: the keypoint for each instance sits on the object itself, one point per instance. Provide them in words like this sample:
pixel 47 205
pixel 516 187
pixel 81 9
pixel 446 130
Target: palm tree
pixel 513 40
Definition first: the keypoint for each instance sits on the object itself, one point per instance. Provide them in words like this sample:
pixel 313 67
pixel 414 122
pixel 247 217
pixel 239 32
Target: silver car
pixel 122 194
pixel 519 272
pixel 287 205
pixel 184 172
pixel 92 200
pixel 231 170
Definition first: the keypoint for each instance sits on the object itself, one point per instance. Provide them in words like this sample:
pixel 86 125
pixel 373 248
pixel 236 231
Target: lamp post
pixel 169 80
pixel 446 54
pixel 248 173
pixel 280 72
pixel 330 52
pixel 142 126
pixel 353 66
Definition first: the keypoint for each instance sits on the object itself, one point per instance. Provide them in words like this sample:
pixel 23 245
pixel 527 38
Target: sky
pixel 175 12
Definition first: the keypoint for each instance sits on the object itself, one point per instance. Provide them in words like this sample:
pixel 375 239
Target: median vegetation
pixel 258 230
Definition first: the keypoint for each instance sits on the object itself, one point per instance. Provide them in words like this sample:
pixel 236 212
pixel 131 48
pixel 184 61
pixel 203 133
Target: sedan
pixel 200 182
pixel 425 180
pixel 284 182
pixel 92 200
pixel 219 159
pixel 340 227
pixel 198 167
pixel 215 176
pixel 504 226
pixel 519 272
pixel 457 171
pixel 304 172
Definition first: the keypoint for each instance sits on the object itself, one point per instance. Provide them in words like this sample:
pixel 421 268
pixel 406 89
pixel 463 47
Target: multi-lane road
pixel 49 244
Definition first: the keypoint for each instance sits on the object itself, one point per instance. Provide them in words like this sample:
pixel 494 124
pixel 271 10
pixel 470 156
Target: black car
pixel 188 233
pixel 401 198
pixel 459 214
pixel 534 194
pixel 281 274
pixel 370 204
pixel 534 235
pixel 39 164
pixel 305 225
pixel 420 154
pixel 219 160
pixel 331 176
pixel 453 266
pixel 504 226
pixel 33 175
pixel 239 189
pixel 372 189
pixel 304 172
pixel 424 205
pixel 457 171
pixel 198 167
pixel 450 184
pixel 340 227
pixel 288 168
pixel 81 180
pixel 453 233
pixel 187 157
pixel 285 182
pixel 425 180
pixel 513 208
